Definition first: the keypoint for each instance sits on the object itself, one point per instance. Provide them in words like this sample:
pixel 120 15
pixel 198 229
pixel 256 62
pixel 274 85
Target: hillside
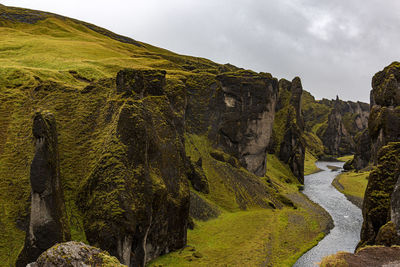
pixel 151 143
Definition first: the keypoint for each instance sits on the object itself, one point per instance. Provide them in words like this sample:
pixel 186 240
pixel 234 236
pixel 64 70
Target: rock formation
pixel 243 117
pixel 377 199
pixel 384 121
pixel 362 154
pixel 336 138
pixel 75 254
pixel 47 220
pixel 289 127
pixel 136 200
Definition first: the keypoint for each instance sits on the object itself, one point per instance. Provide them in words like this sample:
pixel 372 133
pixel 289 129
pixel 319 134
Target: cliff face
pixel 47 219
pixel 384 121
pixel 345 121
pixel 136 200
pixel 381 183
pixel 336 123
pixel 380 209
pixel 289 127
pixel 244 115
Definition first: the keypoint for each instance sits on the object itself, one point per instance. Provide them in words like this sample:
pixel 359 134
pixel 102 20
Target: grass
pixel 345 158
pixel 246 238
pixel 309 164
pixel 354 183
pixel 251 237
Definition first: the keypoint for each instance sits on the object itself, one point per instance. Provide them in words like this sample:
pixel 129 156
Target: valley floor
pixel 256 236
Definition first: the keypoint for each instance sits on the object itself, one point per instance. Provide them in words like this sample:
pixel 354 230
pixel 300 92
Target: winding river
pixel 346 216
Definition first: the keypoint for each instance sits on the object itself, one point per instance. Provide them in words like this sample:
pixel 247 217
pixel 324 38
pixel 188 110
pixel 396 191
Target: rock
pixel 369 256
pixel 336 138
pixel 136 200
pixel 387 235
pixel 362 154
pixel 197 177
pixel 75 254
pixel 244 115
pixel 384 121
pixel 395 206
pixel 141 83
pixel 202 210
pixel 47 221
pixel 292 146
pixel 381 183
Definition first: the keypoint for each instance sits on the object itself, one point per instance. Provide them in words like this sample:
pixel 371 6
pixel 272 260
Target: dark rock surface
pixel 384 121
pixel 292 149
pixel 75 254
pixel 197 177
pixel 362 154
pixel 336 138
pixel 141 83
pixel 377 199
pixel 288 141
pixel 47 220
pixel 201 209
pixel 136 200
pixel 377 256
pixel 244 115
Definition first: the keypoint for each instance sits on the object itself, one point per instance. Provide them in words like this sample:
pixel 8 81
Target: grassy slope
pixel 254 236
pixel 354 183
pixel 48 51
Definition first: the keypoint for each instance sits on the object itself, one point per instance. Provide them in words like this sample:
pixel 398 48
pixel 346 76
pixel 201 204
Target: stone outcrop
pixel 362 154
pixel 370 256
pixel 75 254
pixel 292 148
pixel 384 121
pixel 136 200
pixel 47 219
pixel 336 138
pixel 243 117
pixel 378 195
pixel 197 177
pixel 288 142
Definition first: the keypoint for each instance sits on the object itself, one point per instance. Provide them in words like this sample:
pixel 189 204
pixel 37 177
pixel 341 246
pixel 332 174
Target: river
pixel 346 216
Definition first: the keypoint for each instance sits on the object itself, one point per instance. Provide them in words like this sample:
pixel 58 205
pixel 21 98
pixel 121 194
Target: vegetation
pixel 250 237
pixel 68 67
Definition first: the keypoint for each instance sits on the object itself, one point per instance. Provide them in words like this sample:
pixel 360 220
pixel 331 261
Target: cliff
pixel 384 122
pixel 288 142
pixel 336 123
pixel 380 207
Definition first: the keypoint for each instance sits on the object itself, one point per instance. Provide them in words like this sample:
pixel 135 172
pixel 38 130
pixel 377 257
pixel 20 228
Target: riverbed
pixel 346 216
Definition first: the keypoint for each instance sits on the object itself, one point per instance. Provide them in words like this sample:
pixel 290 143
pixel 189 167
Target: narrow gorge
pixel 115 152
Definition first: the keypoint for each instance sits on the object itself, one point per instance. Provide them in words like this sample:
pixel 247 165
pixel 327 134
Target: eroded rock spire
pixel 47 220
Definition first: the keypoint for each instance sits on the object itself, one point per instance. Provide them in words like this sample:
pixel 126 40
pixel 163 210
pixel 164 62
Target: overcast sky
pixel 334 46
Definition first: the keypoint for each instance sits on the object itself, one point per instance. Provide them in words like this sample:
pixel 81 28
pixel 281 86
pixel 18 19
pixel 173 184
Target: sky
pixel 334 46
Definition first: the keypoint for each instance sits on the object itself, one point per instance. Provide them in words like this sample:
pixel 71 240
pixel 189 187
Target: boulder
pixel 47 220
pixel 75 254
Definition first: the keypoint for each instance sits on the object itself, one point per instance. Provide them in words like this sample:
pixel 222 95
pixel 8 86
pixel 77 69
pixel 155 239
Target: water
pixel 346 216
